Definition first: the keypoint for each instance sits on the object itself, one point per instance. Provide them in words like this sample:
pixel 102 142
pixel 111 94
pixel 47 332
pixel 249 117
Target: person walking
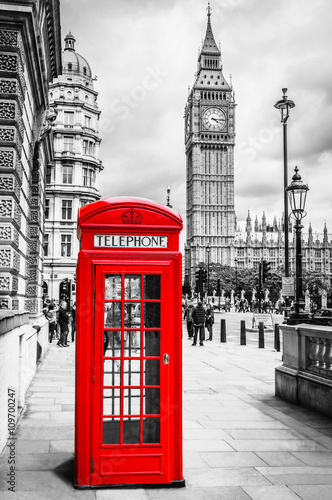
pixel 73 321
pixel 198 316
pixel 63 322
pixel 188 317
pixel 209 320
pixel 52 324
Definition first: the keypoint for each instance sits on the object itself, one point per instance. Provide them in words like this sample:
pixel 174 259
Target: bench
pixel 266 319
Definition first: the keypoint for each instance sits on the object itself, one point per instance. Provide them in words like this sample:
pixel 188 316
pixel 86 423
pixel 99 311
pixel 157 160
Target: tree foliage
pixel 238 279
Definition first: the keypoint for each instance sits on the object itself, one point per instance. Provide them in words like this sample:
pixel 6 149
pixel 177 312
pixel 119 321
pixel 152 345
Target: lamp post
pixel 235 261
pixel 297 193
pixel 284 105
pixel 208 269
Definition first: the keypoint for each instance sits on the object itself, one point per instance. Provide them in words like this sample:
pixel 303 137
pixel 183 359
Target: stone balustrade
pixel 305 377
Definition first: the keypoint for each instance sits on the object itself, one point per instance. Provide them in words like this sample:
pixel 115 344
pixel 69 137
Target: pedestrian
pixel 63 322
pixel 198 316
pixel 73 321
pixel 209 320
pixel 51 315
pixel 188 317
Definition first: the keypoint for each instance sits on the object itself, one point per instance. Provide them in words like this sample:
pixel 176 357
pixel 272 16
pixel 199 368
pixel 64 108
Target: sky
pixel 144 55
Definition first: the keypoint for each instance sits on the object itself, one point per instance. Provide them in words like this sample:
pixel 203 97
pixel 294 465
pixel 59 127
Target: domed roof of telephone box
pixel 121 211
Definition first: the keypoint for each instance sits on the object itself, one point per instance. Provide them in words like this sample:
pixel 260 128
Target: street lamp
pixel 297 193
pixel 284 105
pixel 235 261
pixel 208 268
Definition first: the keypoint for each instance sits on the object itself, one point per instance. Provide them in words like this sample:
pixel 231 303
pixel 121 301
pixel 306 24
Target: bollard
pixel 276 337
pixel 222 330
pixel 243 339
pixel 261 335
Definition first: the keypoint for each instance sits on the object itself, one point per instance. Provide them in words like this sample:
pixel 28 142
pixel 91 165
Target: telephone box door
pixel 131 374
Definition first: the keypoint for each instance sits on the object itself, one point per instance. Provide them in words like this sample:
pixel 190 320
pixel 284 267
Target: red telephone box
pixel 128 414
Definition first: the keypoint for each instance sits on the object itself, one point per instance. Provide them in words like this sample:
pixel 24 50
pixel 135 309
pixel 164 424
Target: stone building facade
pixel 71 177
pixel 262 240
pixel 209 146
pixel 30 57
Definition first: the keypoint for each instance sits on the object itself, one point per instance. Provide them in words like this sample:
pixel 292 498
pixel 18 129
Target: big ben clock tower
pixel 209 146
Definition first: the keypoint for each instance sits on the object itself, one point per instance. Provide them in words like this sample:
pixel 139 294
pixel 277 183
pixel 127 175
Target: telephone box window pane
pixel 151 430
pixel 151 372
pixel 112 372
pixel 131 372
pixel 152 314
pixel 132 315
pixel 152 343
pixel 131 401
pixel 152 286
pixel 112 344
pixel 113 287
pixel 132 343
pixel 132 287
pixel 111 431
pixel 131 430
pixel 111 402
pixel 152 401
pixel 112 315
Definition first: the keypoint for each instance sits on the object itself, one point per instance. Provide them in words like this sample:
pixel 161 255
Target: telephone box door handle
pixel 166 359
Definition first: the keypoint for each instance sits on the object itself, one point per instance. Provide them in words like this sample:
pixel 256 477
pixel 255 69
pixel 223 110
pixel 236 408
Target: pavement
pixel 240 441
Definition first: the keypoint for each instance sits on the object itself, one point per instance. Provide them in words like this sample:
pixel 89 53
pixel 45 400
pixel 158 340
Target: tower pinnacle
pixel 209 46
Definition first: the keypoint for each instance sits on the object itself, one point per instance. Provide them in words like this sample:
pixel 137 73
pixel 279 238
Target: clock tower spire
pixel 209 146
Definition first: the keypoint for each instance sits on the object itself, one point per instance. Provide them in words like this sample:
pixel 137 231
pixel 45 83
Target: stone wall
pixel 305 378
pixel 22 347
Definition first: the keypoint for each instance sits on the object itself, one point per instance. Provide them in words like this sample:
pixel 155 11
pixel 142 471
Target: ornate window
pixel 68 143
pixel 89 177
pixel 67 174
pixel 67 209
pixel 65 245
pixel 46 244
pixel 47 208
pixel 69 119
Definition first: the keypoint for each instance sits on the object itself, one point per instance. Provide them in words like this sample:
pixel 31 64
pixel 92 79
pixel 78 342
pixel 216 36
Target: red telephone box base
pixel 181 483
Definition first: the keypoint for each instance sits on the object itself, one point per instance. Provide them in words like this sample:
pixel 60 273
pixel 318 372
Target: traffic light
pixel 198 280
pixel 204 275
pixel 265 270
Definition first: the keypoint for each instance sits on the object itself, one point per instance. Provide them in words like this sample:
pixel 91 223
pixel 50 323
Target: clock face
pixel 214 119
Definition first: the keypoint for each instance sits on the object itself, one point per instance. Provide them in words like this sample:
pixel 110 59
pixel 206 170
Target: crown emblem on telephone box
pixel 131 217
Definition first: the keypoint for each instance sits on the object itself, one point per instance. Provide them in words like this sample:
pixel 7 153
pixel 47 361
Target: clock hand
pixel 217 119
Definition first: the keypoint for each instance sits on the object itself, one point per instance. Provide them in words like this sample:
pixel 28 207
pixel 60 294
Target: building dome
pixel 72 62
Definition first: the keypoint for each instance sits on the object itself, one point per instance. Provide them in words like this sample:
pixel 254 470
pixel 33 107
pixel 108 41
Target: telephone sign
pixel 128 412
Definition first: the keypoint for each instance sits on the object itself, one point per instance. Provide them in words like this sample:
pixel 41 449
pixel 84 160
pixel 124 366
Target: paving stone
pixel 281 458
pixel 123 494
pixel 270 492
pixel 323 458
pixel 45 461
pixel 28 446
pixel 275 445
pixel 238 476
pixel 317 492
pixel 62 446
pixel 35 408
pixel 232 459
pixel 297 475
pixel 206 434
pixel 194 493
pixel 264 434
